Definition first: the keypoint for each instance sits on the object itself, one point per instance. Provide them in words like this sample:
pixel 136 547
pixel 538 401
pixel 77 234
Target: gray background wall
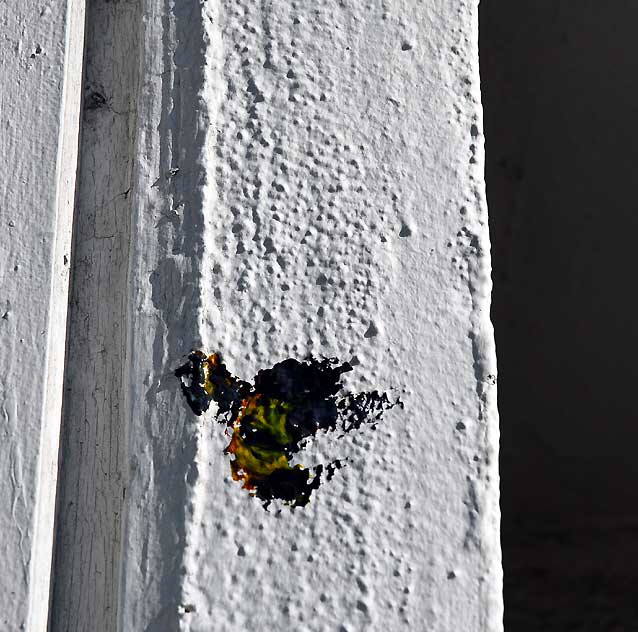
pixel 560 92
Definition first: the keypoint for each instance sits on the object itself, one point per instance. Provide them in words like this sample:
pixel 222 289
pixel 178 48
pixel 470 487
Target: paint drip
pixel 272 418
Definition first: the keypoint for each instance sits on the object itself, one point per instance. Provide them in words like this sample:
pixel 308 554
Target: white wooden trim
pixel 94 461
pixel 41 72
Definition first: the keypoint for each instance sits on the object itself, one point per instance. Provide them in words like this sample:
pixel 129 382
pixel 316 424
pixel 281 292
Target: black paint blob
pixel 272 418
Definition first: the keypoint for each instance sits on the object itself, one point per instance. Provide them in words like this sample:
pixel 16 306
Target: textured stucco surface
pixel 41 47
pixel 315 187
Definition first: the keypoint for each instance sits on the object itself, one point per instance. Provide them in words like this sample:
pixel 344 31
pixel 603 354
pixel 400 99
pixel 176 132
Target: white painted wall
pixel 40 75
pixel 270 180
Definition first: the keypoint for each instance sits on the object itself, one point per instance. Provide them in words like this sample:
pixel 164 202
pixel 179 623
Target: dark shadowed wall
pixel 560 92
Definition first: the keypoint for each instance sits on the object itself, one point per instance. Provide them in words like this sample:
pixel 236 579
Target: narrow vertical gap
pixel 92 453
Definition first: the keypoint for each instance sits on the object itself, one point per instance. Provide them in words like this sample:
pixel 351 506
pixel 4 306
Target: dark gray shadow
pixel 560 92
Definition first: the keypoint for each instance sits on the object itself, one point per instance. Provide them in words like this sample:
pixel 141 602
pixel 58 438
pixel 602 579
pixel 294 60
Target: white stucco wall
pixel 271 180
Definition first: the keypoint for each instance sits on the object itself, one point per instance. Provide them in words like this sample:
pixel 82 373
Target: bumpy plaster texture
pixel 304 181
pixel 346 219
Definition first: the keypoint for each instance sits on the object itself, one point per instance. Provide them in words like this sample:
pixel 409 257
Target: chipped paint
pixel 273 419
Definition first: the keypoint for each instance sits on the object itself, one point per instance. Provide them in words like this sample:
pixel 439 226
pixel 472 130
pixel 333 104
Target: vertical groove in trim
pixel 93 455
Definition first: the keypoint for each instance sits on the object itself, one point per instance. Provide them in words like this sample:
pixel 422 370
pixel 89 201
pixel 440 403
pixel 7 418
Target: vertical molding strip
pixel 41 76
pixel 67 168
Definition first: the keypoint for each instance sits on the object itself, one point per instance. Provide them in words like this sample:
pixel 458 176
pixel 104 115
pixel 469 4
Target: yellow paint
pixel 254 462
